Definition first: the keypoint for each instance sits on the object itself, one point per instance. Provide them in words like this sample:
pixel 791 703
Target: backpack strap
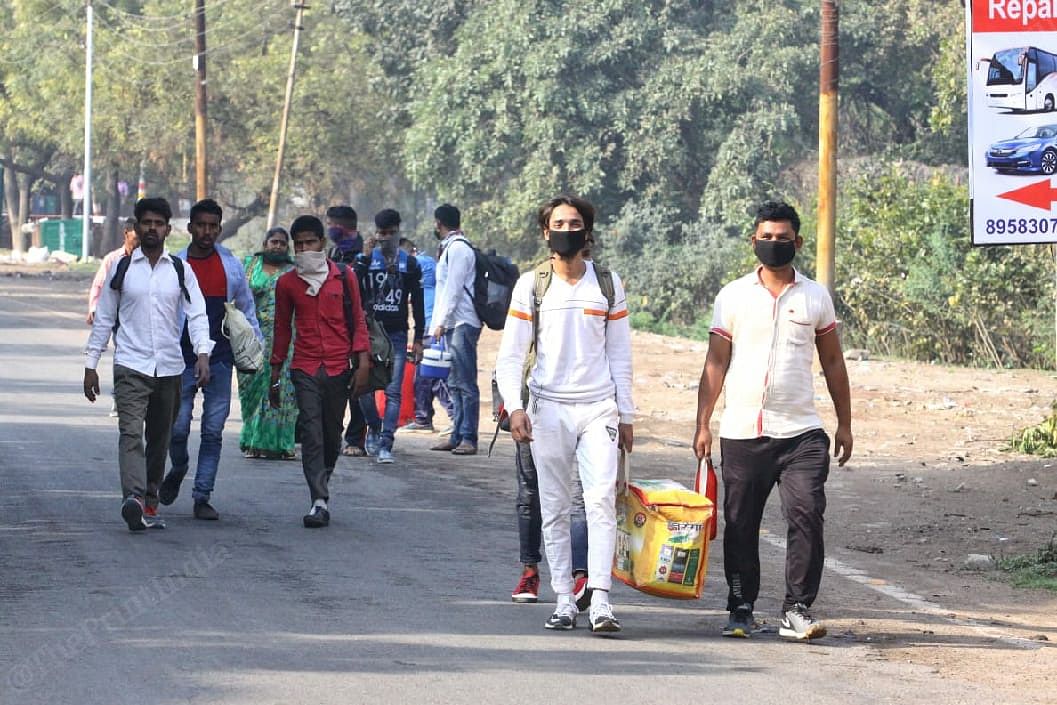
pixel 544 274
pixel 178 265
pixel 605 283
pixel 118 279
pixel 346 299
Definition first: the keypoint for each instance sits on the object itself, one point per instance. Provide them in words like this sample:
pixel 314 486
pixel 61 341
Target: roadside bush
pixel 910 284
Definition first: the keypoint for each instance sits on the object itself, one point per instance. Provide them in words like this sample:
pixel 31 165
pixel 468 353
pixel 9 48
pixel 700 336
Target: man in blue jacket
pixel 426 389
pixel 221 278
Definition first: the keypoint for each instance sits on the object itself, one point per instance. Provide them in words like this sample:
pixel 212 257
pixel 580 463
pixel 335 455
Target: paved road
pixel 404 599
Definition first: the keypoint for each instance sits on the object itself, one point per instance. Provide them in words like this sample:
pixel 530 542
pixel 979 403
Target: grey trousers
pixel 146 409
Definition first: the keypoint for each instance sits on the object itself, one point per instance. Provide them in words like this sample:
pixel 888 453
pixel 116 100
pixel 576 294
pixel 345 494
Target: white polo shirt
pixel 769 389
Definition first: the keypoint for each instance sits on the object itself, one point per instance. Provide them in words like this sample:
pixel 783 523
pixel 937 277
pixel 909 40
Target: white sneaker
pixel 385 456
pixel 602 619
pixel 564 617
pixel 446 431
pixel 798 624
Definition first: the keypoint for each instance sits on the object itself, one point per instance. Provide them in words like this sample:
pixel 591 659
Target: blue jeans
pixel 462 383
pixel 530 521
pixel 215 409
pixel 387 426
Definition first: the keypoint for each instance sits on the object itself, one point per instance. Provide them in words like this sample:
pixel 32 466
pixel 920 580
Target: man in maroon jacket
pixel 326 354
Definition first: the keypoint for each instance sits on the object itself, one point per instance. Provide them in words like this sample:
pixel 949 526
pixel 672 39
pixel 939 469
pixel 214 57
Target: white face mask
pixel 312 268
pixel 309 262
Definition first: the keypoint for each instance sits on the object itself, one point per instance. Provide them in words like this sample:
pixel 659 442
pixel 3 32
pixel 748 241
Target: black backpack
pixel 122 267
pixel 493 286
pixel 381 348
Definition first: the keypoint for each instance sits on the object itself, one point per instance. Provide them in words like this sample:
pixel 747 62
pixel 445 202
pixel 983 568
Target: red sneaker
pixel 582 593
pixel 528 588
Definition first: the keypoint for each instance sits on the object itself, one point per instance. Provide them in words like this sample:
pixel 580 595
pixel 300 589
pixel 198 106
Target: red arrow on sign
pixel 1040 194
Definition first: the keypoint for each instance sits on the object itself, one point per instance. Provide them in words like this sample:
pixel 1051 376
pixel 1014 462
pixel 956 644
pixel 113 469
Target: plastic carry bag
pixel 663 530
pixel 247 350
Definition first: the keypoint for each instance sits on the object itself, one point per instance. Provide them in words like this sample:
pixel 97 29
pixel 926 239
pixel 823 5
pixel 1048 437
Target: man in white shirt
pixel 144 303
pixel 455 318
pixel 580 411
pixel 766 327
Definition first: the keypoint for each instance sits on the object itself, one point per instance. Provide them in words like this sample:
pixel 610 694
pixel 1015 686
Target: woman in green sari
pixel 268 432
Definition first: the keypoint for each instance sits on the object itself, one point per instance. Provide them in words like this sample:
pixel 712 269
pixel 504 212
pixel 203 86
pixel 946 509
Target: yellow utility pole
pixel 827 144
pixel 201 171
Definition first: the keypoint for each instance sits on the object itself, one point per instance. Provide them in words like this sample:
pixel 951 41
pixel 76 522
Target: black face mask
pixel 775 253
pixel 566 243
pixel 276 258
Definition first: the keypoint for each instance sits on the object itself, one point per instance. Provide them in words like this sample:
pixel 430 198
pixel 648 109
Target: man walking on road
pixel 580 410
pixel 105 267
pixel 426 389
pixel 145 302
pixel 131 242
pixel 221 278
pixel 455 318
pixel 390 284
pixel 320 299
pixel 766 327
pixel 347 248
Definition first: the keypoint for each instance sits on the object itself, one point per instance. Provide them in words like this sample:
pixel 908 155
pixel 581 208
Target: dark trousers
pixel 146 408
pixel 321 402
pixel 354 432
pixel 530 520
pixel 426 390
pixel 751 468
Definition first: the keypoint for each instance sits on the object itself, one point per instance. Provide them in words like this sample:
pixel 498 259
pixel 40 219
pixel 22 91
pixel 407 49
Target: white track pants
pixel 571 438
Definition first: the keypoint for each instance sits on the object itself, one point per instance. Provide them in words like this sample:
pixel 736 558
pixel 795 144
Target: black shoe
pixel 170 487
pixel 132 513
pixel 741 622
pixel 317 518
pixel 204 510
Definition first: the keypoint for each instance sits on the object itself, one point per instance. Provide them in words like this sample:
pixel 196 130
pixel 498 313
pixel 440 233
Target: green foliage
pixel 910 284
pixel 1040 439
pixel 1037 570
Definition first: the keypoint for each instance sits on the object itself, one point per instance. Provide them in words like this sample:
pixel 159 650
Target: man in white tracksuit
pixel 580 411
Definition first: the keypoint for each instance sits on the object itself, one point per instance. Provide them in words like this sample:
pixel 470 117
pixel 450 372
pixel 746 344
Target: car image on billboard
pixel 1033 151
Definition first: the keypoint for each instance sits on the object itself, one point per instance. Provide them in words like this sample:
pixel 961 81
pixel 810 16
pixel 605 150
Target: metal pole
pixel 201 185
pixel 86 219
pixel 273 202
pixel 827 144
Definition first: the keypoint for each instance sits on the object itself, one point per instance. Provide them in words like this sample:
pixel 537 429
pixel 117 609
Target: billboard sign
pixel 1012 92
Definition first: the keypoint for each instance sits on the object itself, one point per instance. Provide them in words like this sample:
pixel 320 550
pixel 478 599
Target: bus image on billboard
pixel 1021 79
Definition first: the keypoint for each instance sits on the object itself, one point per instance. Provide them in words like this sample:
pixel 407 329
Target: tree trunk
pixel 113 212
pixel 11 202
pixel 22 182
pixel 62 185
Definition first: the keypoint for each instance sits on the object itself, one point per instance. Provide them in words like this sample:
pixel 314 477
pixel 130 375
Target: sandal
pixel 288 455
pixel 353 452
pixel 251 453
